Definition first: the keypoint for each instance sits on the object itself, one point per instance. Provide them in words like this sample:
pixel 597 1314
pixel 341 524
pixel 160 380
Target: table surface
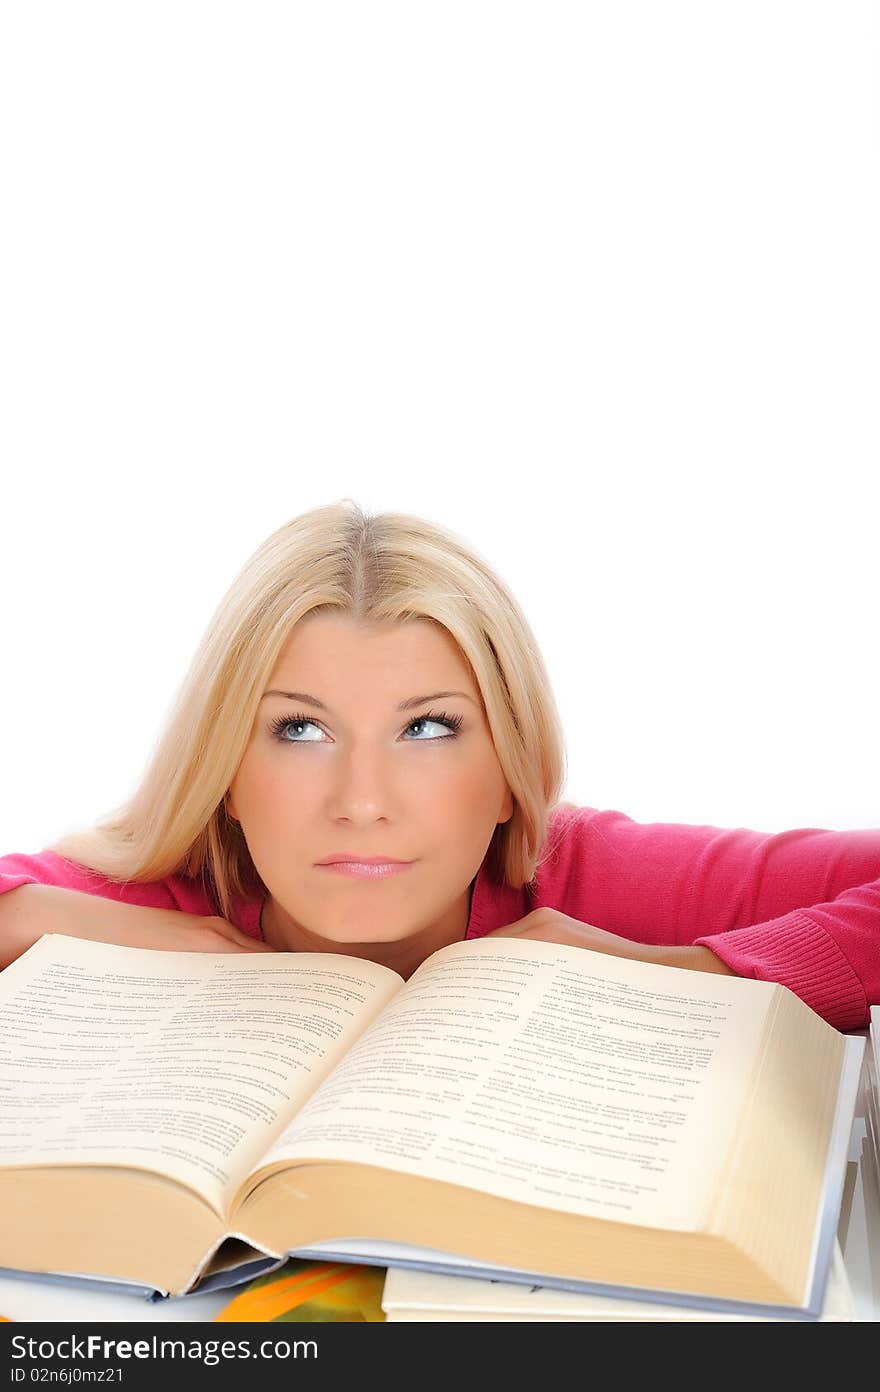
pixel 23 1299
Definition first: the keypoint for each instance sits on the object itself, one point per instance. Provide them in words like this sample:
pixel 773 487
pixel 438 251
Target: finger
pixel 236 945
pixel 232 941
pixel 250 944
pixel 513 930
pixel 240 938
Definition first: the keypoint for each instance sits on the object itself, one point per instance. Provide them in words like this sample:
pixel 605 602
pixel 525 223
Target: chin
pixel 361 931
pixel 359 934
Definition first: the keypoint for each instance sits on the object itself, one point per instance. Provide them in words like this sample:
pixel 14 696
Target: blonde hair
pixel 370 568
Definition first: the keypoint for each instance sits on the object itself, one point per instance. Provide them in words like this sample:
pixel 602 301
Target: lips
pixel 347 858
pixel 366 870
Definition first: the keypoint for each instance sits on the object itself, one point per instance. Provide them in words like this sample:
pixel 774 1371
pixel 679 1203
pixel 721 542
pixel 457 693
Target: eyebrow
pixel 410 704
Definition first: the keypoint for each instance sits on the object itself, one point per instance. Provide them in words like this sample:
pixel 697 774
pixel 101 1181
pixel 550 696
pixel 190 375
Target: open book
pixel 517 1110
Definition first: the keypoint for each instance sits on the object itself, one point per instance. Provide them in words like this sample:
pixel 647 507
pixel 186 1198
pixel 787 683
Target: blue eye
pixel 452 723
pixel 278 728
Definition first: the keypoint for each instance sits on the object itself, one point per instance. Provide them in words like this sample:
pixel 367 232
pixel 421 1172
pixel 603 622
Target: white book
pixel 427 1296
pixel 872 1087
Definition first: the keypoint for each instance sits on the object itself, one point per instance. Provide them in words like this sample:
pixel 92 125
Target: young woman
pixel 369 692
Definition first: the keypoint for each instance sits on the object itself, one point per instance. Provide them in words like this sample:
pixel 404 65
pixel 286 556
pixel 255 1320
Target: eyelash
pixel 452 722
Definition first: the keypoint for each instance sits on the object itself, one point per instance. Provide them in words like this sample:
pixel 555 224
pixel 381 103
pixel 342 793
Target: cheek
pixel 470 791
pixel 259 790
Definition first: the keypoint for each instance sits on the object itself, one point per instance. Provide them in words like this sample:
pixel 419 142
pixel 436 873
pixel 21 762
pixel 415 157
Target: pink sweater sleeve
pixel 800 907
pixel 45 867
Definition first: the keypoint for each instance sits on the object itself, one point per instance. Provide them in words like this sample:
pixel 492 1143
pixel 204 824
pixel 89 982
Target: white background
pixel 593 284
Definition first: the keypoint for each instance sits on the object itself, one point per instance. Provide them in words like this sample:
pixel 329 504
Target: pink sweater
pixel 799 907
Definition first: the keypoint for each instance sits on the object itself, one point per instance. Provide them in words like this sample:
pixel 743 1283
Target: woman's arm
pixel 31 910
pixel 549 925
pixel 801 907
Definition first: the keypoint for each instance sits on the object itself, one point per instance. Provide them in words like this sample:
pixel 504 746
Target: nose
pixel 365 786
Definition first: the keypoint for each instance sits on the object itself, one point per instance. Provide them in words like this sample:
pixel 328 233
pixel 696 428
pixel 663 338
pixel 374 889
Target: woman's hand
pixel 549 925
pixel 31 910
pixel 183 932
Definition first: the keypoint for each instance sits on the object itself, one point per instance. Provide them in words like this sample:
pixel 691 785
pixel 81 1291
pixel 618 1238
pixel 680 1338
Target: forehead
pixel 328 641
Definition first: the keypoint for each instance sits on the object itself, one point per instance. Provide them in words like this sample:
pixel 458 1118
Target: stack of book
pixel 422 1296
pixel 520 1112
pixel 872 1086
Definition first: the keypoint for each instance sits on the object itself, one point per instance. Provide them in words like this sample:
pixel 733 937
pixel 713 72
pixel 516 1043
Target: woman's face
pixel 345 769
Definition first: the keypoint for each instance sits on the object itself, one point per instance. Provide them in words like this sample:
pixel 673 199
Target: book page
pixel 548 1074
pixel 184 1063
